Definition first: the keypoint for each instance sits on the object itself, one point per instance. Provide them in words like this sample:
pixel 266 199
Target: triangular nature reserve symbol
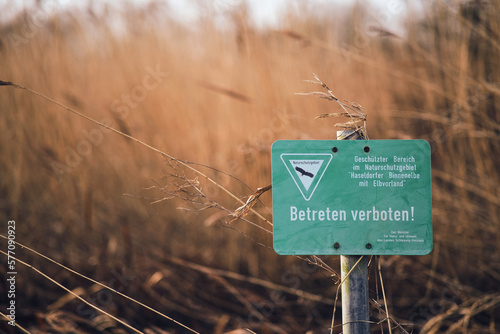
pixel 306 170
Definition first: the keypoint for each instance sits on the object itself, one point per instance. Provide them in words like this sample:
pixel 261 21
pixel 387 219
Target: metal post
pixel 354 275
pixel 355 313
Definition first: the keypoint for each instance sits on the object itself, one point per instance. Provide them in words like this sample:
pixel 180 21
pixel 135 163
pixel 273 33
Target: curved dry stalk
pixel 354 111
pixel 183 163
pixel 93 281
pixel 74 294
pixel 252 199
pixel 383 294
pixel 24 330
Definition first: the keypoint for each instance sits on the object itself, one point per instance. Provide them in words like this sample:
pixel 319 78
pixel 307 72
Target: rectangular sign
pixel 352 197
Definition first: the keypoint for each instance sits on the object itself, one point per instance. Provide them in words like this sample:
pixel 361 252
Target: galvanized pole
pixel 355 313
pixel 354 276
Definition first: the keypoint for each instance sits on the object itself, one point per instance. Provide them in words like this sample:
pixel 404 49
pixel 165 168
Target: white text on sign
pixel 356 215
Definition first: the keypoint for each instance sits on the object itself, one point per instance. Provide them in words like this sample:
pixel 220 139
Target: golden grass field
pixel 216 97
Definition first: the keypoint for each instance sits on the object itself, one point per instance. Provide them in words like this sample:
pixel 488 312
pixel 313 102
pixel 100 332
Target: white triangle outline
pixel 308 156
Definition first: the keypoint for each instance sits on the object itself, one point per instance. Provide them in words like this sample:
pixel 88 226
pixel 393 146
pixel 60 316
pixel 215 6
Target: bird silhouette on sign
pixel 303 172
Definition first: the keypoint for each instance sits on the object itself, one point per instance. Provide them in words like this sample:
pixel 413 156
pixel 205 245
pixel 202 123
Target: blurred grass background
pixel 219 95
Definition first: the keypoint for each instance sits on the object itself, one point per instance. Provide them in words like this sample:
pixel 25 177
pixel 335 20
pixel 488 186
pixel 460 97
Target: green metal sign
pixel 352 197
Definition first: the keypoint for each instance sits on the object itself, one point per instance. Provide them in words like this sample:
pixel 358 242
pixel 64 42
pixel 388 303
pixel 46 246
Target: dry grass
pixel 220 98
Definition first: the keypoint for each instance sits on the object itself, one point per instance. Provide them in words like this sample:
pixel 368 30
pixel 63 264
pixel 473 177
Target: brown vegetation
pixel 219 95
